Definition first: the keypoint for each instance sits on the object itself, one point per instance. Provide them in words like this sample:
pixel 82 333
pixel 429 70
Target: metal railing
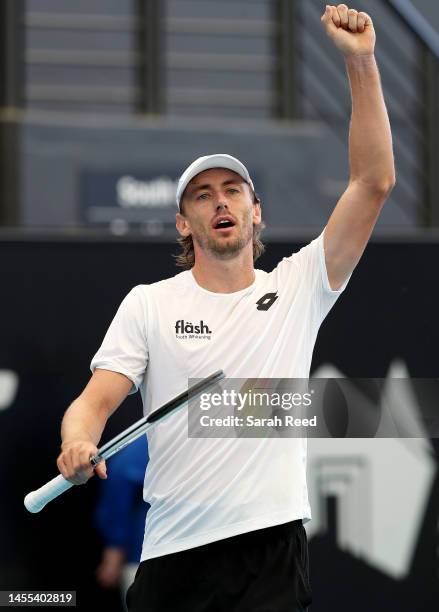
pixel 429 61
pixel 408 57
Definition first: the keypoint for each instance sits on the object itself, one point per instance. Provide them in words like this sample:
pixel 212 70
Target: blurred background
pixel 103 104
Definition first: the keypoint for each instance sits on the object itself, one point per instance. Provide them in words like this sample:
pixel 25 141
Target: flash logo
pixel 267 301
pixel 183 327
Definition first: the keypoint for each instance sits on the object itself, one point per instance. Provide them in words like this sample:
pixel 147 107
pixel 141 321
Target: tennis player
pixel 225 527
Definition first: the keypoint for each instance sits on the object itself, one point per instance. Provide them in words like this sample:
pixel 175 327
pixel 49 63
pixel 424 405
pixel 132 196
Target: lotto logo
pixel 267 301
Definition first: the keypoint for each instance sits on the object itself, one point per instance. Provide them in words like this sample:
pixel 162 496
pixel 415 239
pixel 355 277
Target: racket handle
pixel 36 500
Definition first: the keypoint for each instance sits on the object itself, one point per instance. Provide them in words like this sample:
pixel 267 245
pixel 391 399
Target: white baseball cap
pixel 219 160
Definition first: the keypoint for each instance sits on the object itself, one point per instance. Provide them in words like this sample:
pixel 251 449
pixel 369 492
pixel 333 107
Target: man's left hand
pixel 351 31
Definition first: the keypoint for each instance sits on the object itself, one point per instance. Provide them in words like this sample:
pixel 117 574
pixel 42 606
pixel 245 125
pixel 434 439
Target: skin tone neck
pixel 224 276
pixel 223 258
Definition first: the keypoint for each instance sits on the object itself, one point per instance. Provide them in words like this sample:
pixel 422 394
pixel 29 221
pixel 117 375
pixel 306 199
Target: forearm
pixel 370 139
pixel 83 421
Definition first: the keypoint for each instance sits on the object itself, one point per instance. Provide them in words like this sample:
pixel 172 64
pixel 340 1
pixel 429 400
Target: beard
pixel 222 247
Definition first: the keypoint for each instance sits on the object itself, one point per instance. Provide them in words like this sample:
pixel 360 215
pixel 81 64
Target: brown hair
pixel 186 257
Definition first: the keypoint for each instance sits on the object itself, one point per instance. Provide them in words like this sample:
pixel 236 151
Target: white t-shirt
pixel 203 490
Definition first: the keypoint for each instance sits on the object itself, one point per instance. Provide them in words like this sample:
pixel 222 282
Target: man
pixel 224 529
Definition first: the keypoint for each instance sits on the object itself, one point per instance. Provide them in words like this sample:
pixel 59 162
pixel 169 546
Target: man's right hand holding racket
pixel 74 462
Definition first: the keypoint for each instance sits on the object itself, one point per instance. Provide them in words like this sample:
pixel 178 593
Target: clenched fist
pixel 351 31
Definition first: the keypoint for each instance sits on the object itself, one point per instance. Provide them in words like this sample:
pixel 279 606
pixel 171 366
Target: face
pixel 218 211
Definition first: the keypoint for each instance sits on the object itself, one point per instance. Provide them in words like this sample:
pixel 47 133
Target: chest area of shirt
pixel 197 322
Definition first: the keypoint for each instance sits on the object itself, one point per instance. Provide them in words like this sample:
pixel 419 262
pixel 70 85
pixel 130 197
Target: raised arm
pixel 372 170
pixel 84 422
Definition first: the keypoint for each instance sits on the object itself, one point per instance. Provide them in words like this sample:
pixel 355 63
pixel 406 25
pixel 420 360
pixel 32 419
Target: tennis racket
pixel 36 500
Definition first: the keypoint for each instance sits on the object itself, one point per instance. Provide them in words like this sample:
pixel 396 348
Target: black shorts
pixel 259 571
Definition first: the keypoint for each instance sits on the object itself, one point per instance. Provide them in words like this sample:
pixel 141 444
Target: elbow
pixel 386 183
pixel 381 192
pixel 379 189
pixel 388 186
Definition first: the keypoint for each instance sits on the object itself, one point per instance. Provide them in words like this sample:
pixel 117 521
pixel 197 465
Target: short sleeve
pixel 124 348
pixel 310 265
